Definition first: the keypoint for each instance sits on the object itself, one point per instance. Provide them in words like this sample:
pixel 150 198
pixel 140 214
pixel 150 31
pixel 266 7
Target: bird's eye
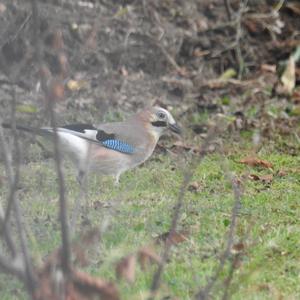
pixel 161 115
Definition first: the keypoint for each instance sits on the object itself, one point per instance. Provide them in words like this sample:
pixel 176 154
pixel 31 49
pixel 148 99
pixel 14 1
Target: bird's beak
pixel 175 128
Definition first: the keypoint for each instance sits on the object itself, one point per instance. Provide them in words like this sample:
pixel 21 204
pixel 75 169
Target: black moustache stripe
pixel 159 124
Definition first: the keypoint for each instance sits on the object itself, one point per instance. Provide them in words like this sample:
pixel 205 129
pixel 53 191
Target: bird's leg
pixel 81 178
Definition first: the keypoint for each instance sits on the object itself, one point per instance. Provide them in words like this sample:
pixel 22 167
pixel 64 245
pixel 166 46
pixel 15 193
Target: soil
pixel 124 55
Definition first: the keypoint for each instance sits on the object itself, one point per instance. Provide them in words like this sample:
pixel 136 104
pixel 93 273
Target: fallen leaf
pixel 254 177
pixel 199 53
pixel 126 268
pixel 282 173
pixel 27 108
pixel 76 85
pixel 268 68
pixel 288 77
pixel 256 162
pixel 228 74
pixel 251 25
pixel 195 187
pixel 294 7
pixel 238 247
pixel 90 286
pixel 296 96
pixel 147 255
pixel 124 71
pixel 175 238
pixel 180 147
pixel 266 178
pixel 202 24
pixel 295 111
pixel 121 12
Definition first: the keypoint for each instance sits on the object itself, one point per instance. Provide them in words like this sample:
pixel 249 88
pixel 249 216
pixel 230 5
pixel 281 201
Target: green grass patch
pixel 141 207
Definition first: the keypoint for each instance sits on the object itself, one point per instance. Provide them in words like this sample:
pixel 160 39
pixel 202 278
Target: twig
pixel 228 9
pixel 170 59
pixel 204 293
pixel 228 280
pixel 13 203
pixel 4 229
pixel 30 278
pixel 15 35
pixel 238 36
pixel 66 252
pixel 187 178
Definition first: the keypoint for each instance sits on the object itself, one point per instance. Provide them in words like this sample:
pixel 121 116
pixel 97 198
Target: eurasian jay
pixel 111 148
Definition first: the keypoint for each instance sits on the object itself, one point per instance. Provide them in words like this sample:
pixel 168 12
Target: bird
pixel 110 148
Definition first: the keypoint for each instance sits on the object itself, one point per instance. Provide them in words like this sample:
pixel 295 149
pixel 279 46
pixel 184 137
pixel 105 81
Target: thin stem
pixel 168 245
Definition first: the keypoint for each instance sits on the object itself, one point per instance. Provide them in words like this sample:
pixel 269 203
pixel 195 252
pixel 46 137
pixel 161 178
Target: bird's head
pixel 159 119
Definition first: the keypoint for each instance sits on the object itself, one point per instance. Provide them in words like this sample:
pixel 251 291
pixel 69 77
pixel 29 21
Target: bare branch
pixel 4 229
pixel 204 293
pixel 15 35
pixel 13 203
pixel 187 178
pixel 228 9
pixel 66 252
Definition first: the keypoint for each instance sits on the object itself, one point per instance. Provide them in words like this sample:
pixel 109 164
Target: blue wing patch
pixel 118 146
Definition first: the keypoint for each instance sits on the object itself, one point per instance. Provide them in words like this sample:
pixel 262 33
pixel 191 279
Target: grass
pixel 269 268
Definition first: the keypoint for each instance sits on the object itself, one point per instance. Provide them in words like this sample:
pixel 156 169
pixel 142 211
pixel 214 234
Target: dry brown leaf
pixel 282 173
pixel 175 238
pixel 254 177
pixel 296 96
pixel 179 147
pixel 251 25
pixel 195 187
pixel 76 85
pixel 199 53
pixel 266 178
pixel 147 255
pixel 294 7
pixel 268 68
pixel 256 162
pixel 90 286
pixel 124 71
pixel 126 268
pixel 238 247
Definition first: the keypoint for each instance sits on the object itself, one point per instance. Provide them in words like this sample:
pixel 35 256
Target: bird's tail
pixel 37 131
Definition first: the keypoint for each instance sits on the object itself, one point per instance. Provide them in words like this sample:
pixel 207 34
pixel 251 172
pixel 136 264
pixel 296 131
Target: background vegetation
pixel 213 214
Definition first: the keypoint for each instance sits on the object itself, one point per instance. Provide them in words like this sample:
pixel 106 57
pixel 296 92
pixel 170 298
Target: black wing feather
pixel 80 127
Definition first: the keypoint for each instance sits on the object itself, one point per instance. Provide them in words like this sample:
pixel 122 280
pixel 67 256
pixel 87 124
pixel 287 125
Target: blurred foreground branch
pixel 50 100
pixel 156 281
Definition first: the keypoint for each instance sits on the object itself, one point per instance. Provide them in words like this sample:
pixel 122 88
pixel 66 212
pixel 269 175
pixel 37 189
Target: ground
pixel 124 55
